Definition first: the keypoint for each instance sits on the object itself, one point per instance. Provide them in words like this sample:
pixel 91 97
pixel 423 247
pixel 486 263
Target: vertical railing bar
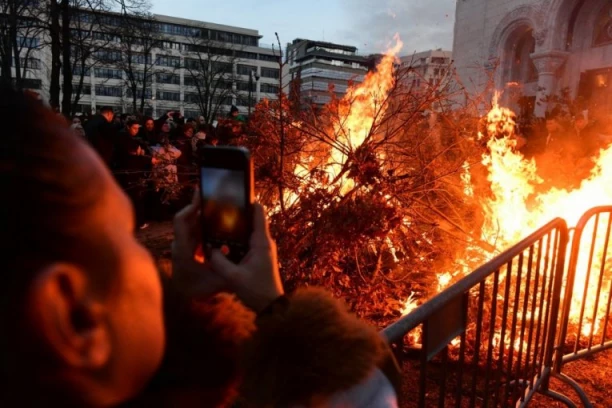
pixel 515 302
pixel 603 263
pixel 523 320
pixel 442 394
pixel 459 397
pixel 528 372
pixel 599 285
pixel 537 359
pixel 586 285
pixel 491 336
pixel 549 268
pixel 423 371
pixel 476 357
pixel 502 342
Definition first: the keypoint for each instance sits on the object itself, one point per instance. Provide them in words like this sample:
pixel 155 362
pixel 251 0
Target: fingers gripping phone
pixel 226 188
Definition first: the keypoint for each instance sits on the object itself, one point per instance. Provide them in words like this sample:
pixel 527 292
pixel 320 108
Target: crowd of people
pixel 151 158
pixel 88 320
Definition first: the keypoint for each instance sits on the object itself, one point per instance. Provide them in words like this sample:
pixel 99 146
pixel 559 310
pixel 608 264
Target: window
pixel 108 73
pixel 85 89
pixel 96 35
pixel 137 76
pixel 436 71
pixel 79 70
pixel 234 38
pixel 269 58
pixel 268 88
pixel 192 98
pixel 246 69
pixel 191 81
pixel 176 29
pixel 244 101
pixel 102 90
pixel 246 55
pixel 28 42
pixel 438 60
pixel 192 113
pixel 148 93
pixel 194 64
pixel 108 56
pixel 244 86
pixel 222 67
pixel 164 78
pixel 31 83
pixel 138 58
pixel 227 52
pixel 29 63
pixel 169 96
pixel 168 61
pixel 270 73
pixel 169 45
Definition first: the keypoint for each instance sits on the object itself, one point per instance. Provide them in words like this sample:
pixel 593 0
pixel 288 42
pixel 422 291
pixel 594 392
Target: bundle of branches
pixel 367 195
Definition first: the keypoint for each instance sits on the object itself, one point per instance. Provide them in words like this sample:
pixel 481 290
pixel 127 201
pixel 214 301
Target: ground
pixel 593 374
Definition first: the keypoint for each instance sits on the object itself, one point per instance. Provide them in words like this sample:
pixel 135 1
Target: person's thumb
pixel 223 266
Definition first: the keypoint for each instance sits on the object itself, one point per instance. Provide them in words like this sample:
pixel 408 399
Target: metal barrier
pixel 489 339
pixel 585 328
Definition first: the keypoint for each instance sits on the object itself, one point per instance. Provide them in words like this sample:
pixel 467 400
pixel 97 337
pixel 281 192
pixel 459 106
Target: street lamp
pixel 251 75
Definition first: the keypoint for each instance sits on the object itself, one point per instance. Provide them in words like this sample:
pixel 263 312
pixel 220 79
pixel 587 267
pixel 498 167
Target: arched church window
pixel 603 27
pixel 523 69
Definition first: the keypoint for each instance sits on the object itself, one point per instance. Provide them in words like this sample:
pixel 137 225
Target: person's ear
pixel 69 317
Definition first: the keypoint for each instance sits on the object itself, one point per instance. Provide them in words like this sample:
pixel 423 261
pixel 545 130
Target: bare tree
pixel 21 26
pixel 209 72
pixel 134 55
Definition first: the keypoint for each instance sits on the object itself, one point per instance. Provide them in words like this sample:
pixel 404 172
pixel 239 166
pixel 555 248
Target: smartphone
pixel 226 188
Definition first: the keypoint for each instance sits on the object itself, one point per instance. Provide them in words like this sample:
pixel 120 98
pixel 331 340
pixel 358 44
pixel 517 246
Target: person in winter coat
pixel 102 134
pixel 133 162
pixel 186 162
pixel 88 321
pixel 148 132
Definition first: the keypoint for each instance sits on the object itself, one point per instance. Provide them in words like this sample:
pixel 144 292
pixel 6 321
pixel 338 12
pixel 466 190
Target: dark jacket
pixel 102 135
pixel 301 346
pixel 133 159
pixel 185 163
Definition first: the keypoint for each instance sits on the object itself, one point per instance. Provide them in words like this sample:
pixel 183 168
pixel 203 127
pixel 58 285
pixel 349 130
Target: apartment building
pixel 316 69
pixel 252 69
pixel 424 69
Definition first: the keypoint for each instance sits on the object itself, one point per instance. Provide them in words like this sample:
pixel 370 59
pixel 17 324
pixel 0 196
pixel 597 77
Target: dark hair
pixel 46 203
pixel 106 109
pixel 132 122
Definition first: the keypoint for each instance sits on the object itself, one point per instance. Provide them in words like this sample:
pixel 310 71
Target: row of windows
pixel 103 90
pixel 28 63
pixel 108 73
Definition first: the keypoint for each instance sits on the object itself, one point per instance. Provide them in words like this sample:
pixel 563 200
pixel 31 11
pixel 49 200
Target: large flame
pixel 510 216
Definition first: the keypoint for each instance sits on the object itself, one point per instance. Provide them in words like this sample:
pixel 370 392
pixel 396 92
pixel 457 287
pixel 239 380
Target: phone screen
pixel 224 206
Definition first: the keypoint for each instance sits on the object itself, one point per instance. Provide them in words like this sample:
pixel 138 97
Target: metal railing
pixel 489 339
pixel 585 327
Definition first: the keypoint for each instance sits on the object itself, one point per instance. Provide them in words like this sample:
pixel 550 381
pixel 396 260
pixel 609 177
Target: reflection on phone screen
pixel 224 205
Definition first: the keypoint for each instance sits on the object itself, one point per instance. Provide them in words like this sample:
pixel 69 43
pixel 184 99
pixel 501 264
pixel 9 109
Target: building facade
pixel 252 69
pixel 532 49
pixel 424 69
pixel 316 69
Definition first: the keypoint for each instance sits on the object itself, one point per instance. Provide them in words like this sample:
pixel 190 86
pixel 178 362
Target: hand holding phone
pixel 226 188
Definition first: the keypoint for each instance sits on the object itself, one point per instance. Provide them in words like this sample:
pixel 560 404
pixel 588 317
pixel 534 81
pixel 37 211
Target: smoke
pixel 421 24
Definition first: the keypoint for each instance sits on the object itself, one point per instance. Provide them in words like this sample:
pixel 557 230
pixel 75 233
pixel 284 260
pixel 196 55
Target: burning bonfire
pixel 367 186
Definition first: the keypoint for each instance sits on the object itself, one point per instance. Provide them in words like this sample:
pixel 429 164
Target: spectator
pixel 235 114
pixel 185 162
pixel 134 161
pixel 148 133
pixel 102 135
